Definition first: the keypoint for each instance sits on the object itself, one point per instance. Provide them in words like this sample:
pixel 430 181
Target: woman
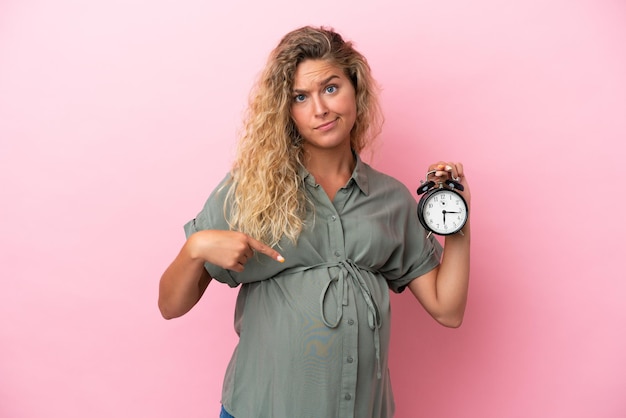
pixel 316 238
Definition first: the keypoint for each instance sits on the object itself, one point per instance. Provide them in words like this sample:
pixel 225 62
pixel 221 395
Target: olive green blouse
pixel 314 330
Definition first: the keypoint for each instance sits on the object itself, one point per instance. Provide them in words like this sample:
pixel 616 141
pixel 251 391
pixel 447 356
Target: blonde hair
pixel 266 198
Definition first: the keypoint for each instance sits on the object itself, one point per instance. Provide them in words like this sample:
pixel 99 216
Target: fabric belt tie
pixel 348 269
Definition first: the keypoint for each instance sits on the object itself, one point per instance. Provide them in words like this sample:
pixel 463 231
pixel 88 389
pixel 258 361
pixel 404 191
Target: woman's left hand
pixel 444 170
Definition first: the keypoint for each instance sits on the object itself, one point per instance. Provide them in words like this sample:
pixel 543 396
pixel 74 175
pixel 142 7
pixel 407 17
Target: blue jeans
pixel 224 414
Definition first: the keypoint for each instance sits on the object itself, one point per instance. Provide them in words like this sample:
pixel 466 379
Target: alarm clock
pixel 441 209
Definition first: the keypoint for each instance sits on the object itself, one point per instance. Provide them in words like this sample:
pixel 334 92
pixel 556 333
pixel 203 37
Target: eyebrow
pixel 321 83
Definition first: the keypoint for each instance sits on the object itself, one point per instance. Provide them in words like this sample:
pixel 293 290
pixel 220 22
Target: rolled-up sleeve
pixel 212 217
pixel 431 256
pixel 414 254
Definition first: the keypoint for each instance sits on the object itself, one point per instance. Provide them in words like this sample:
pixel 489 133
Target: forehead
pixel 313 72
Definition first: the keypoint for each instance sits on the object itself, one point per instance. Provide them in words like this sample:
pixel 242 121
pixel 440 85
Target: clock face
pixel 443 211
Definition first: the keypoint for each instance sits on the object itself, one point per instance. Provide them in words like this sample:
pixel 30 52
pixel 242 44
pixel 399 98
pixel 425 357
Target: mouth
pixel 326 126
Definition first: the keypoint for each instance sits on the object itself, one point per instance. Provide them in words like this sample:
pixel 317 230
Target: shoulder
pixel 212 214
pixel 219 192
pixel 214 205
pixel 382 182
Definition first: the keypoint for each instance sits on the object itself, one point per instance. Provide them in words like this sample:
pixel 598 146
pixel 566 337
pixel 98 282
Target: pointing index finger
pixel 264 249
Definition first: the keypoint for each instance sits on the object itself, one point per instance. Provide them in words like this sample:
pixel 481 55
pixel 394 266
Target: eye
pixel 299 98
pixel 331 89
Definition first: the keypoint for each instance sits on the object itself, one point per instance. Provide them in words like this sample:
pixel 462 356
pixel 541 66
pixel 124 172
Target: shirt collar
pixel 359 175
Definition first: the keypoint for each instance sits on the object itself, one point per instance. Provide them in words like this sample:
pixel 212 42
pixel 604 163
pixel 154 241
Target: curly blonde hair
pixel 266 198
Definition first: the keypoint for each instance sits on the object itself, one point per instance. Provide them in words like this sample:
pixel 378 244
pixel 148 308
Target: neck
pixel 330 164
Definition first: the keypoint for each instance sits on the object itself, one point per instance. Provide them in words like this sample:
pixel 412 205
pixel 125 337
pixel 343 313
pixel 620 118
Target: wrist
pixel 192 248
pixel 462 235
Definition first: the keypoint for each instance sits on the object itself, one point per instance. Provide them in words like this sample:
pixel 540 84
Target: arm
pixel 443 290
pixel 183 283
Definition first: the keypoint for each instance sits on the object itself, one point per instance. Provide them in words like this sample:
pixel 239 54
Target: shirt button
pixel 350 321
pixel 333 218
pixel 337 253
pixel 347 397
pixel 350 359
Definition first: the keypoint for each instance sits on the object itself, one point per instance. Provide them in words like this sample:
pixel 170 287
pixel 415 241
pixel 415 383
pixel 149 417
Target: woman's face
pixel 323 107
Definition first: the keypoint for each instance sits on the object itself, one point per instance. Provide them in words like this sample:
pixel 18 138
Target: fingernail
pixel 280 259
pixel 440 167
pixel 448 168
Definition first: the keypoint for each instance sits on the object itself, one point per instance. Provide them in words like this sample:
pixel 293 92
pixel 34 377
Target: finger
pixel 264 249
pixel 455 171
pixel 238 267
pixel 248 253
pixel 439 166
pixel 243 259
pixel 442 169
pixel 459 170
pixel 450 169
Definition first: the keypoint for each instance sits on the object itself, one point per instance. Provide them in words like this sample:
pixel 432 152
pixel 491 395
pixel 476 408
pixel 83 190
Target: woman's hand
pixel 444 170
pixel 183 283
pixel 230 250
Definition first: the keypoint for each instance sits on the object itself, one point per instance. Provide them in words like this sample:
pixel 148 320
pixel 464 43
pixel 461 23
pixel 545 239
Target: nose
pixel 320 107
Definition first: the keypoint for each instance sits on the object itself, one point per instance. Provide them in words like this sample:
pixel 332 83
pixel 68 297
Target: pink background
pixel 118 117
